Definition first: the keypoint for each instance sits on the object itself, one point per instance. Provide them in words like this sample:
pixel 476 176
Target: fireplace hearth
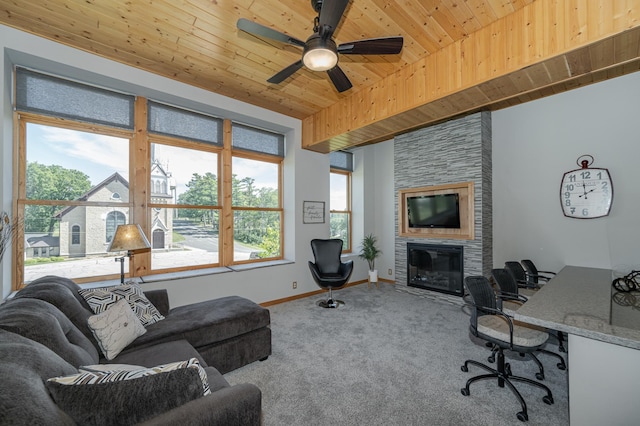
pixel 436 267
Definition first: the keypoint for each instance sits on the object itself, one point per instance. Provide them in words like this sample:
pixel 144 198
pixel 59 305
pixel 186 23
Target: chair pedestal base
pixel 504 377
pixel 331 303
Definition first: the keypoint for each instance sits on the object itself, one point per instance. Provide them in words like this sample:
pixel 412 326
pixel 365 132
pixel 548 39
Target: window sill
pixel 211 271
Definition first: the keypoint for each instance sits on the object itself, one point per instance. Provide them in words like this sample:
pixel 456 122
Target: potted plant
pixel 370 252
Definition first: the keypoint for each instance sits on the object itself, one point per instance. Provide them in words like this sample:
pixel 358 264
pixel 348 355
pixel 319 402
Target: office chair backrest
pixel 533 271
pixel 517 271
pixel 327 255
pixel 505 280
pixel 483 296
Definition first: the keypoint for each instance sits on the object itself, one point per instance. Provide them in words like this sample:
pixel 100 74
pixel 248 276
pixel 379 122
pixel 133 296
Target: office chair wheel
pixel 522 416
pixel 465 369
pixel 547 399
pixel 540 376
pixel 465 391
pixel 561 366
pixel 491 358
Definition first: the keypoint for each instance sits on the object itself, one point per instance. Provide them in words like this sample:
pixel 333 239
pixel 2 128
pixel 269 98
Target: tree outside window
pixel 340 207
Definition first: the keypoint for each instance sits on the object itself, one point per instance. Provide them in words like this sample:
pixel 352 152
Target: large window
pixel 340 197
pixel 203 196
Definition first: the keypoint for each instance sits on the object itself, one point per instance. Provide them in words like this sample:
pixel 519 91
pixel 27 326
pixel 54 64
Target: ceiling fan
pixel 320 52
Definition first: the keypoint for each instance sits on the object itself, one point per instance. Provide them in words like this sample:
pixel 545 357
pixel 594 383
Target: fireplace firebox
pixel 436 267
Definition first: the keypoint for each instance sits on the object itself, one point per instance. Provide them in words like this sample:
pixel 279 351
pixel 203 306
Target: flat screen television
pixel 434 211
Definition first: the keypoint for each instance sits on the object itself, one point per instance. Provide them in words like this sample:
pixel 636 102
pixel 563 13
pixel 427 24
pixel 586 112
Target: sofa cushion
pixel 208 322
pixel 157 353
pixel 25 366
pixel 126 402
pixel 100 299
pixel 44 323
pixel 115 328
pixel 63 294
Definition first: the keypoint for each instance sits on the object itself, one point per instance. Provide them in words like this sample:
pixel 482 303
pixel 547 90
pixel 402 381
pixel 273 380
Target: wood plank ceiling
pixel 516 50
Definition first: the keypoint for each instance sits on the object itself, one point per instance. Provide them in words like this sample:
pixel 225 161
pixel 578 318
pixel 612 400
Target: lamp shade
pixel 319 54
pixel 129 237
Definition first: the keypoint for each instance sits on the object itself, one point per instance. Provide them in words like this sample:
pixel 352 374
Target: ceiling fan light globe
pixel 320 59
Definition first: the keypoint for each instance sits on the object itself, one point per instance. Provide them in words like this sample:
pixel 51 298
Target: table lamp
pixel 128 237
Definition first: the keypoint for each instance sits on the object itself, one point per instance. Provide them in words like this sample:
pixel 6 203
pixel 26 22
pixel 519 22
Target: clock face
pixel 586 193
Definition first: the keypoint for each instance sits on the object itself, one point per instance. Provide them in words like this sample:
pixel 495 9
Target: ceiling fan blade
pixel 339 79
pixel 330 16
pixel 262 31
pixel 285 73
pixel 372 46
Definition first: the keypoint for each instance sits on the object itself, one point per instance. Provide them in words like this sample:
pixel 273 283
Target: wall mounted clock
pixel 586 193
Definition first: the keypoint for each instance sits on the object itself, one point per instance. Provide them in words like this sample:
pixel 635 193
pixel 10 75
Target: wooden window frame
pixel 139 204
pixel 348 211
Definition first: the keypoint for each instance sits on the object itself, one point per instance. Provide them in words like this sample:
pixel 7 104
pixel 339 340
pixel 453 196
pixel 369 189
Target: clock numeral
pixel 572 210
pixel 572 178
pixel 567 202
pixel 605 187
pixel 570 187
pixel 586 174
pixel 585 212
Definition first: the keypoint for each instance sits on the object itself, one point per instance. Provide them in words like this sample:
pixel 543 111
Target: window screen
pixel 53 96
pixel 257 140
pixel 341 160
pixel 172 121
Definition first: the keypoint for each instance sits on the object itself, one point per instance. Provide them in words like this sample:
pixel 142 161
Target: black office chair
pixel 494 326
pixel 534 275
pixel 510 299
pixel 328 270
pixel 520 275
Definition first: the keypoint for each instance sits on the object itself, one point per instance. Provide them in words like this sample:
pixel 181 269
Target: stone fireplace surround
pixel 458 150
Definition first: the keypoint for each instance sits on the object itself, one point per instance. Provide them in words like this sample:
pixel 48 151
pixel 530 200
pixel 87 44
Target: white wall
pixel 303 171
pixel 534 144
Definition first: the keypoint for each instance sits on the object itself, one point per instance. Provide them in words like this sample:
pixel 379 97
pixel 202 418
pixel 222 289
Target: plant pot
pixel 373 278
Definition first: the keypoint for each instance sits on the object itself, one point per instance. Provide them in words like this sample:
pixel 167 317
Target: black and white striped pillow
pixel 101 299
pixel 92 376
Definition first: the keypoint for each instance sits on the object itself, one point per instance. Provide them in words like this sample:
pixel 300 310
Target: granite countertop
pixel 579 301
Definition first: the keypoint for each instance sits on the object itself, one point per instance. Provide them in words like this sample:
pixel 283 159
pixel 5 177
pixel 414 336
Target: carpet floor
pixel 389 356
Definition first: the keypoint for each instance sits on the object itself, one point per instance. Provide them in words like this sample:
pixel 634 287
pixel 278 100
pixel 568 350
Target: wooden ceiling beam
pixel 543 48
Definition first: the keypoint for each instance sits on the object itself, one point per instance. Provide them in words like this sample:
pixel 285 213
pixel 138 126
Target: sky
pixel 99 156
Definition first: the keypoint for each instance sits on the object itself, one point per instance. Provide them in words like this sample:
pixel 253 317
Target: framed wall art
pixel 313 212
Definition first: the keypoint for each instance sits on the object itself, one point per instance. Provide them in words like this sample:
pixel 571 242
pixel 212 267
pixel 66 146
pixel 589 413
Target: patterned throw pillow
pixel 115 328
pixel 101 373
pixel 100 299
pixel 128 397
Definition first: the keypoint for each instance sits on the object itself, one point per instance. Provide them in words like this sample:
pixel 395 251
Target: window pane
pixel 256 235
pixel 183 176
pixel 339 193
pixel 51 232
pixel 64 164
pixel 255 183
pixel 339 224
pixel 184 237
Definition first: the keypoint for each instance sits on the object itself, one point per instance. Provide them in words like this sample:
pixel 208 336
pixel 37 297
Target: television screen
pixel 434 211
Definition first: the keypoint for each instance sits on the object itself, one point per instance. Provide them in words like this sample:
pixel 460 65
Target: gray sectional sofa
pixel 44 334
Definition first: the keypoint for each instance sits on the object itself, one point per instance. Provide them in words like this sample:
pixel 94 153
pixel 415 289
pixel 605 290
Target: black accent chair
pixel 492 325
pixel 534 275
pixel 328 270
pixel 510 299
